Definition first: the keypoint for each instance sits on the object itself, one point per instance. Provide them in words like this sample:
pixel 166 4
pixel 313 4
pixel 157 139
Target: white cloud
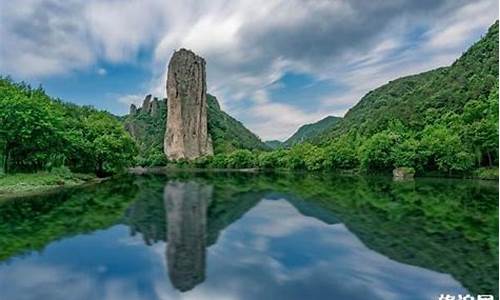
pixel 248 45
pixel 131 99
pixel 102 71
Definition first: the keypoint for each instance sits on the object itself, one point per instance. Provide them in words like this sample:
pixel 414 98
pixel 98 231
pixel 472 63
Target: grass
pixel 486 173
pixel 41 181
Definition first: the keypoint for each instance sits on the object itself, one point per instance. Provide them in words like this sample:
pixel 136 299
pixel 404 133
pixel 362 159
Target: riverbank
pixel 479 174
pixel 27 183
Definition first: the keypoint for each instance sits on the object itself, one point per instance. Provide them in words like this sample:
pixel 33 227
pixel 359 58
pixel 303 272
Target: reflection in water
pixel 295 237
pixel 186 205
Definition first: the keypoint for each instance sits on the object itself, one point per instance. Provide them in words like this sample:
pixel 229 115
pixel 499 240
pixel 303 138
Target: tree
pixel 442 148
pixel 241 159
pixel 31 128
pixel 376 152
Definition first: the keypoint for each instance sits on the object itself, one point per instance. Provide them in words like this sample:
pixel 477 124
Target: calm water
pixel 252 236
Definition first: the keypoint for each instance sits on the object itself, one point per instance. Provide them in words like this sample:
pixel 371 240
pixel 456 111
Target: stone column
pixel 186 135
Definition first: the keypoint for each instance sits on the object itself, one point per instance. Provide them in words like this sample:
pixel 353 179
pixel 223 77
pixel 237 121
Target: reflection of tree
pixel 186 204
pixel 449 226
pixel 30 223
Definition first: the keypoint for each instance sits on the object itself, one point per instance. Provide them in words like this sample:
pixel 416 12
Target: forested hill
pixel 309 131
pixel 424 99
pixel 439 122
pixel 147 125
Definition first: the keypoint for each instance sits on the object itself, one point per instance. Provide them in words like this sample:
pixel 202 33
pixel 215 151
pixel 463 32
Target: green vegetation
pixel 442 122
pixel 40 181
pixel 227 133
pixel 30 223
pixel 308 131
pixel 40 133
pixel 274 144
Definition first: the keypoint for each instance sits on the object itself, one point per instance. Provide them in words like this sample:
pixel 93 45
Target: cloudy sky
pixel 273 64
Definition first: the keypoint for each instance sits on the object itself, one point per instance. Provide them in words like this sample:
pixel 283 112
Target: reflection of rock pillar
pixel 186 204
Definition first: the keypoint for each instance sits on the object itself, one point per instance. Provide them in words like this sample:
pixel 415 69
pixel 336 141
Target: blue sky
pixel 273 64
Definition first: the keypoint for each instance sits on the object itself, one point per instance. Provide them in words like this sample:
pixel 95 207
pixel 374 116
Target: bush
pixel 63 172
pixel 271 159
pixel 376 152
pixel 219 161
pixel 241 159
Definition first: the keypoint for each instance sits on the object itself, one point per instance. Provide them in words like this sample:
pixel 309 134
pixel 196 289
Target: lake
pixel 233 235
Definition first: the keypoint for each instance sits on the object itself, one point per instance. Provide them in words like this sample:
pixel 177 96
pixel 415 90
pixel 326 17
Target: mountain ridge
pixel 309 131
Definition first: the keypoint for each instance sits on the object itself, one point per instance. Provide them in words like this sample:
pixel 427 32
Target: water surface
pixel 252 236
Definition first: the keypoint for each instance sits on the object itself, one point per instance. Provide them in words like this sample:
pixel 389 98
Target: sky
pixel 273 64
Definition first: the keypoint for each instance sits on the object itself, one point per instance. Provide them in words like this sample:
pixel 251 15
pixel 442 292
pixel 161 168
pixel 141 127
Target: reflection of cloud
pixel 298 258
pixel 290 219
pixel 43 282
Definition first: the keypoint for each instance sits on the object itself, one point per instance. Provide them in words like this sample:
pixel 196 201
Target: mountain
pixel 274 144
pixel 309 131
pixel 228 133
pixel 423 99
pixel 147 125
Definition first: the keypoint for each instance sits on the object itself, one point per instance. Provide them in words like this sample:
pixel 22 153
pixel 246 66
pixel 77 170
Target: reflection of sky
pixel 272 252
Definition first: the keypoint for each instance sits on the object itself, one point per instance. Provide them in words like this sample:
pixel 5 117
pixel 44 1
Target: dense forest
pixel 444 121
pixel 41 133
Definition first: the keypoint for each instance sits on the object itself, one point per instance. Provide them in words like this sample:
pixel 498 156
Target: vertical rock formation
pixel 146 104
pixel 186 204
pixel 133 109
pixel 154 106
pixel 186 133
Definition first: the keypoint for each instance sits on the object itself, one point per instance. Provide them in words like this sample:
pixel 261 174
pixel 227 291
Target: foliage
pixel 40 133
pixel 305 132
pixel 444 121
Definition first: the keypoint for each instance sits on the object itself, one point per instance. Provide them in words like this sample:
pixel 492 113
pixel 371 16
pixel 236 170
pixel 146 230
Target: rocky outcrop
pixel 186 205
pixel 133 109
pixel 186 135
pixel 154 106
pixel 146 104
pixel 403 173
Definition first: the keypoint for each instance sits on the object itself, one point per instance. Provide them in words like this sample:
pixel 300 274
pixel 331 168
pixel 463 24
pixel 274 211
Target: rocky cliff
pixel 186 135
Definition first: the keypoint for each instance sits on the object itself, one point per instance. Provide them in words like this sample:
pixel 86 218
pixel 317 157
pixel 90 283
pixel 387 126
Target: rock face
pixel 186 135
pixel 153 107
pixel 133 109
pixel 186 204
pixel 146 104
pixel 403 173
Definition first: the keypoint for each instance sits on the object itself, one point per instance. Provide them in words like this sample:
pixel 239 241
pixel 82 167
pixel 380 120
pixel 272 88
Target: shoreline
pixel 165 169
pixel 23 185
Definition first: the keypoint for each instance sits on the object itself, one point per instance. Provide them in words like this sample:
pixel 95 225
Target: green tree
pixel 443 149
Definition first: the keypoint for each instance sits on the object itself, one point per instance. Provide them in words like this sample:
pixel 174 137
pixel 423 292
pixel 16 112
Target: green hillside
pixel 429 97
pixel 147 126
pixel 309 131
pixel 274 144
pixel 441 122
